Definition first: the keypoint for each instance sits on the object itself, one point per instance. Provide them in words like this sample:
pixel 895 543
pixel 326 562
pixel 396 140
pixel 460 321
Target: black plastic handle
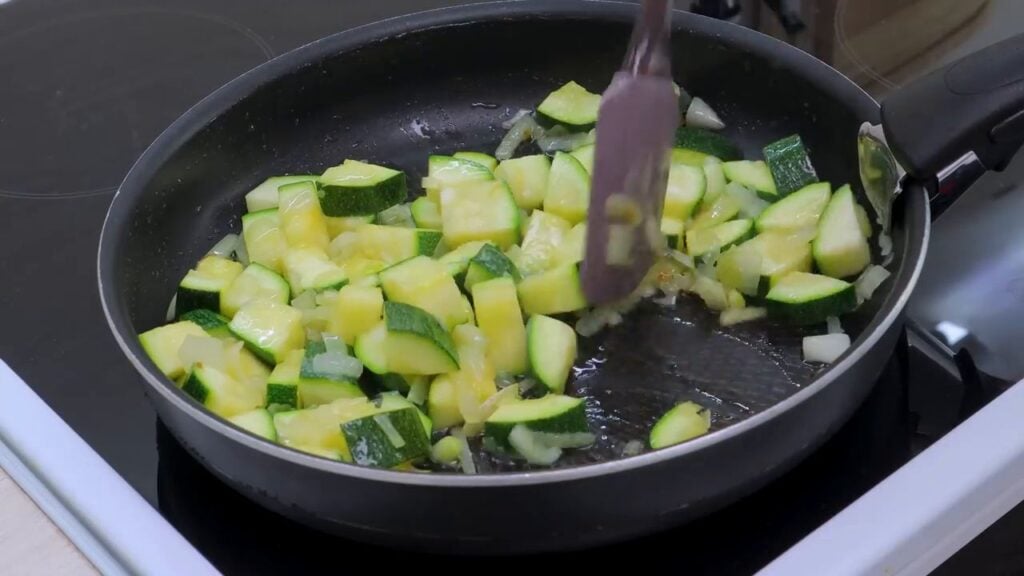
pixel 973 105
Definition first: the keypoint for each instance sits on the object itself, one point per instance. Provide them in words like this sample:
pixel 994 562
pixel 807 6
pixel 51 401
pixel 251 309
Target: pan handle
pixel 949 127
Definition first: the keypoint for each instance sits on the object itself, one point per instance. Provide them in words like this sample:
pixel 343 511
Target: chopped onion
pixel 885 243
pixel 699 114
pixel 465 454
pixel 681 258
pixel 734 316
pixel 708 263
pixel 526 443
pixel 326 298
pixel 711 292
pixel 668 300
pixel 834 327
pixel 418 392
pixel 503 396
pixel 632 448
pixel 519 132
pixel 526 385
pixel 399 215
pixel 558 139
pixel 595 320
pixel 565 439
pixel 172 308
pixel 225 247
pixel 203 350
pixel 750 204
pixel 242 253
pixel 305 301
pixel 522 113
pixel 338 366
pixel 335 345
pixel 503 379
pixel 384 423
pixel 869 281
pixel 826 348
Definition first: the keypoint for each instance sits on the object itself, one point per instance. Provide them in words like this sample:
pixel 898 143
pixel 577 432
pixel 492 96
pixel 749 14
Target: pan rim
pixel 206 110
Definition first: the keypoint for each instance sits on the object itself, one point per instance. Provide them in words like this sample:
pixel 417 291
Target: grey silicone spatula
pixel 635 127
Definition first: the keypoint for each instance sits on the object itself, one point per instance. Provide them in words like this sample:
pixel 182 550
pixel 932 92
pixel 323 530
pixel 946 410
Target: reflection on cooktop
pixel 93 88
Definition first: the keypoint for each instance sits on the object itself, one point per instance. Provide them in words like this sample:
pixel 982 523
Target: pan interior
pixel 440 90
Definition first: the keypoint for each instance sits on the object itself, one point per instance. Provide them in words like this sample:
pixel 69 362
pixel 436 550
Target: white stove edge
pixel 109 522
pixel 922 514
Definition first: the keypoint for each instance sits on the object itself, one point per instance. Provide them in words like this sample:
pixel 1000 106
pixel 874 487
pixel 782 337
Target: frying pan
pixel 396 91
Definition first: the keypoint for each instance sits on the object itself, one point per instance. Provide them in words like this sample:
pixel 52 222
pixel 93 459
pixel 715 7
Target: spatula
pixel 635 127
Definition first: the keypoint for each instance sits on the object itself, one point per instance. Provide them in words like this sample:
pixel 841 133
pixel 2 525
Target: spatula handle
pixel 648 53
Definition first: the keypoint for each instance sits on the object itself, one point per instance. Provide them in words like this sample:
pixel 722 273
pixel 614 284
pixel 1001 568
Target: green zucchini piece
pixel 162 343
pixel 311 269
pixel 426 284
pixel 269 329
pixel 568 194
pixel 527 177
pixel 457 261
pixel 369 349
pixel 500 318
pixel 357 188
pixel 480 211
pixel 264 239
pixel 341 224
pixel 443 403
pixel 392 244
pixel 447 171
pixel 220 393
pixel 585 155
pixel 485 160
pixel 202 286
pixel 283 383
pixel 685 421
pixel 552 413
pixel 702 241
pixel 753 174
pixel 673 230
pixel 302 219
pixel 690 157
pixel 571 106
pixel 714 178
pixel 416 342
pixel 258 422
pixel 256 282
pixel 387 438
pixel 723 209
pixel 552 292
pixel 399 215
pixel 686 186
pixel 265 196
pixel 315 387
pixel 551 347
pixel 789 164
pixel 798 211
pixel 708 142
pixel 426 214
pixel 542 242
pixel 841 249
pixel 489 263
pixel 214 324
pixel 803 298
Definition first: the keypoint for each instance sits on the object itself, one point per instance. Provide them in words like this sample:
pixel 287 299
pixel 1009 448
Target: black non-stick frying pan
pixel 457 74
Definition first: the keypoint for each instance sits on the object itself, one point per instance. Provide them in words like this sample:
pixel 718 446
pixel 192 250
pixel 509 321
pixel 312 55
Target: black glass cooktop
pixel 87 86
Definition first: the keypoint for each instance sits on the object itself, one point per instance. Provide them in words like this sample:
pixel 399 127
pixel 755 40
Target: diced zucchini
pixel 214 324
pixel 426 284
pixel 399 215
pixel 356 310
pixel 840 249
pixel 723 209
pixel 552 292
pixel 585 155
pixel 803 298
pixel 302 220
pixel 319 428
pixel 753 174
pixel 700 242
pixel 527 177
pixel 864 221
pixel 283 383
pixel 551 345
pixel 782 254
pixel 270 330
pixel 686 185
pixel 258 422
pixel 447 450
pixel 416 343
pixel 708 142
pixel 311 269
pixel 447 171
pixel 443 403
pixel 264 239
pixel 392 244
pixel 789 164
pixel 673 229
pixel 317 387
pixel 572 106
pixel 573 245
pixel 162 343
pixel 341 224
pixel 264 196
pixel 426 214
pixel 568 193
pixel 714 178
pixel 689 157
pixel 798 211
pixel 685 421
pixel 256 282
pixel 357 188
pixel 362 271
pixel 202 286
pixel 481 211
pixel 489 263
pixel 486 160
pixel 501 320
pixel 369 349
pixel 387 438
pixel 222 394
pixel 457 261
pixel 553 413
pixel 545 234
